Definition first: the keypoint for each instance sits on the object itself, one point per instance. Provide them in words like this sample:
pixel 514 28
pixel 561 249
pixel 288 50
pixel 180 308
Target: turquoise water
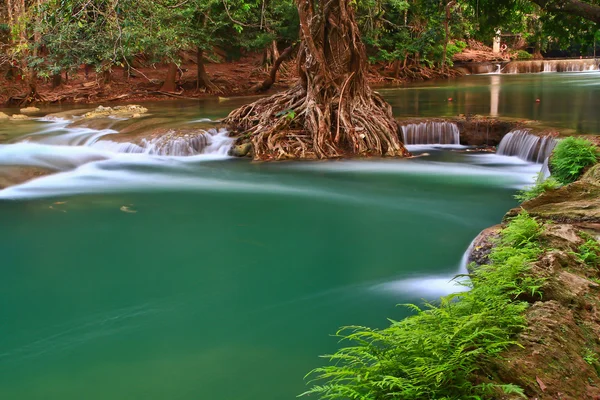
pixel 129 276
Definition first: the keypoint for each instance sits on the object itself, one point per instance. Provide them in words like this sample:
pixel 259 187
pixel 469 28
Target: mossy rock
pixel 592 175
pixel 577 202
pixel 242 150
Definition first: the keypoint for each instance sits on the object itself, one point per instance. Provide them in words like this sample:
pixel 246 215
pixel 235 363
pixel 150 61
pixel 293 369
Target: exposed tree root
pixel 331 112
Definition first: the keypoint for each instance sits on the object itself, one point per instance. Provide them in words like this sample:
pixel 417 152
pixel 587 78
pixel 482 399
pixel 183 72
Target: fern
pixel 435 353
pixel 570 158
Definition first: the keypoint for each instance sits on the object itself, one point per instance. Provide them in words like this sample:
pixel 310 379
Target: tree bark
pixel 578 8
pixel 170 84
pixel 447 32
pixel 203 78
pixel 331 112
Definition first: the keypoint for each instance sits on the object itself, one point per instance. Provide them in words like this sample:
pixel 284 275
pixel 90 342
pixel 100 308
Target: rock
pixel 574 203
pixel 592 175
pixel 18 117
pixel 120 111
pixel 3 116
pixel 136 115
pixel 482 246
pixel 28 110
pixel 242 150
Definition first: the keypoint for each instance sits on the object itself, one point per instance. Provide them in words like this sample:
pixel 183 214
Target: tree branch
pixel 577 8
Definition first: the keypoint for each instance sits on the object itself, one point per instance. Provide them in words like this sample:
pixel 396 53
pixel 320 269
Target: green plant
pixel 589 252
pixel 570 157
pixel 590 356
pixel 523 55
pixel 541 186
pixel 435 353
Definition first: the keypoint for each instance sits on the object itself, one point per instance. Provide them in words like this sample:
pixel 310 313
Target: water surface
pixel 129 276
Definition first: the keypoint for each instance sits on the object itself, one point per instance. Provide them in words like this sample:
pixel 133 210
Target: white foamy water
pixel 431 133
pixel 432 285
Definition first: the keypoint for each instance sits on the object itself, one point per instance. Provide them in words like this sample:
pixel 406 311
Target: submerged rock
pixel 10 176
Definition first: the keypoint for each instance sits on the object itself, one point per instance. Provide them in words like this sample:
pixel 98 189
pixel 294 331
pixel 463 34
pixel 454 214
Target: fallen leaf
pixel 542 385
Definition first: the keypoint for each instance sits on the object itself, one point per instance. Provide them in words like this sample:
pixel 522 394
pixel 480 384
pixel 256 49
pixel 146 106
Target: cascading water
pixel 205 142
pixel 526 146
pixel 431 133
pixel 528 67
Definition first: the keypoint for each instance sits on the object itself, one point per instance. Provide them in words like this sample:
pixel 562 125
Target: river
pixel 131 276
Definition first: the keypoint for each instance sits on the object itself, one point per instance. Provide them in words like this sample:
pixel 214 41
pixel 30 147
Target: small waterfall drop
pixel 526 146
pixel 431 133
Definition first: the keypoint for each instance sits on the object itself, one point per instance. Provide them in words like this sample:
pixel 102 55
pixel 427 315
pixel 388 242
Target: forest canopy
pixel 45 38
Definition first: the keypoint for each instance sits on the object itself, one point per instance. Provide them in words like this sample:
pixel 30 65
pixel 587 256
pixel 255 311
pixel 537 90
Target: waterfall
pixel 431 133
pixel 535 66
pixel 203 142
pixel 526 146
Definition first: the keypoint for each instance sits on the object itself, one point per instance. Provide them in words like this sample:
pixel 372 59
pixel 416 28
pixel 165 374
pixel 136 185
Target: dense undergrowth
pixel 437 353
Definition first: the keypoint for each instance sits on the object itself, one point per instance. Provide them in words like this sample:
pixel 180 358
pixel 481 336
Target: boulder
pixel 19 117
pixel 482 246
pixel 242 150
pixel 3 116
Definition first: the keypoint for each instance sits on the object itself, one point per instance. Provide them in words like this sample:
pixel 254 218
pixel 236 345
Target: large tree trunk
pixel 170 84
pixel 331 112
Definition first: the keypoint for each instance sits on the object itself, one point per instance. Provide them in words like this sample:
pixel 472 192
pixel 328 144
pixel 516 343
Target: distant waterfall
pixel 431 133
pixel 204 142
pixel 526 146
pixel 535 66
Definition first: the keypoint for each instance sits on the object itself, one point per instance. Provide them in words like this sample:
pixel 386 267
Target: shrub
pixel 523 55
pixel 435 353
pixel 570 157
pixel 541 186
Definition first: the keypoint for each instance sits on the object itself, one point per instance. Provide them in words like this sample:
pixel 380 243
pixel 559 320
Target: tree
pixel 331 111
pixel 573 7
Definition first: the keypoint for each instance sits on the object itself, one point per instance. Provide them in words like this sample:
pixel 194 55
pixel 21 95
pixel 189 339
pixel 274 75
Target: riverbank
pixel 527 328
pixel 236 78
pixel 557 354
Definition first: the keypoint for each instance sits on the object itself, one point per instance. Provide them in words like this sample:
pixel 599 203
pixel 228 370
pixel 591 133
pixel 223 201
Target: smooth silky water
pixel 130 276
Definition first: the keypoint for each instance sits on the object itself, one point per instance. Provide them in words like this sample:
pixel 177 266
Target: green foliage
pixel 541 186
pixel 570 157
pixel 590 356
pixel 436 353
pixel 589 252
pixel 523 55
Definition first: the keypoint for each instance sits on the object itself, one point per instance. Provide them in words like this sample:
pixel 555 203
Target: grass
pixel 541 186
pixel 571 157
pixel 437 352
